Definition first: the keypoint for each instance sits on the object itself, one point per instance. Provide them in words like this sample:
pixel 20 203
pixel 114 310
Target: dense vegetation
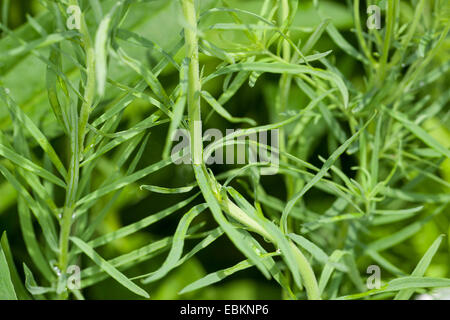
pixel 89 105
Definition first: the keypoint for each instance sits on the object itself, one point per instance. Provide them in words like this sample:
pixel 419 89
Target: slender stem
pixel 285 81
pixel 89 92
pixel 306 271
pixel 69 207
pixel 78 130
pixel 391 15
pixel 194 113
pixel 411 30
pixel 69 204
pixel 88 95
pixel 64 238
pixel 284 16
pixel 194 87
pixel 284 89
pixel 418 66
pixel 359 32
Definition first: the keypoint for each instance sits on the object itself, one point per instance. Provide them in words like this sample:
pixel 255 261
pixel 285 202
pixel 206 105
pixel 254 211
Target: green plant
pixel 80 153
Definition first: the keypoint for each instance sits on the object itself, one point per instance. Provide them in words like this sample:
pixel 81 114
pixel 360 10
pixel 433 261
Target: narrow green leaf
pixel 29 166
pixel 38 44
pixel 340 41
pixel 101 42
pixel 139 225
pixel 134 257
pixel 31 242
pixel 178 108
pixel 15 278
pixel 403 234
pixel 329 268
pixel 177 245
pixel 403 284
pixel 108 268
pixel 419 132
pixel 222 111
pixel 421 268
pixel 31 285
pixel 231 232
pixel 416 196
pixel 28 124
pixel 123 182
pixel 327 165
pixel 163 190
pixel 220 275
pixel 7 291
pixel 309 246
pixel 42 215
pixel 287 68
pixel 315 36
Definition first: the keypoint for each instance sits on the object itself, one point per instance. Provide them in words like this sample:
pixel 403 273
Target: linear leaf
pixel 123 182
pixel 15 278
pixel 28 124
pixel 108 268
pixel 231 232
pixel 419 132
pixel 327 165
pixel 177 245
pixel 282 68
pixel 139 225
pixel 421 268
pixel 220 275
pixel 101 39
pixel 163 190
pixel 223 112
pixel 29 166
pixel 7 291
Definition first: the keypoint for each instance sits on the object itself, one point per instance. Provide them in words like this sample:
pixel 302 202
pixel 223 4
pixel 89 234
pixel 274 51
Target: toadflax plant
pixel 99 199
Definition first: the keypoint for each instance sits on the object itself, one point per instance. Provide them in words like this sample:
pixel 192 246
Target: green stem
pixel 194 87
pixel 359 32
pixel 284 89
pixel 77 141
pixel 391 15
pixel 418 66
pixel 89 92
pixel 69 208
pixel 64 238
pixel 411 30
pixel 306 271
pixel 194 113
pixel 285 81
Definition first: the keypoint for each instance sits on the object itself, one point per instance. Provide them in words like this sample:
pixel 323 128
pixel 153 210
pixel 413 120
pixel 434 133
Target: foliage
pixel 87 116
